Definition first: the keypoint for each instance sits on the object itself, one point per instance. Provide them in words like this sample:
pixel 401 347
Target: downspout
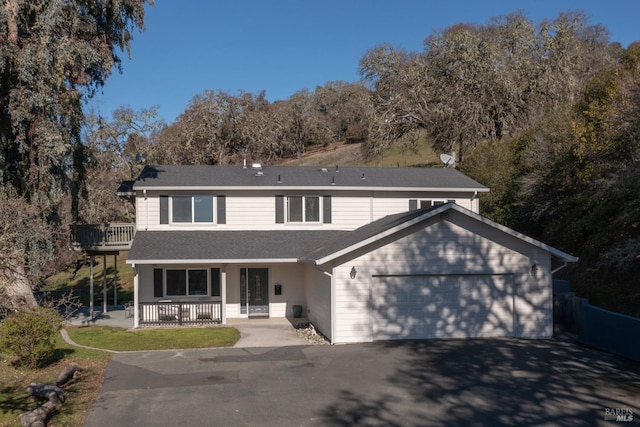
pixel 136 297
pixel 223 294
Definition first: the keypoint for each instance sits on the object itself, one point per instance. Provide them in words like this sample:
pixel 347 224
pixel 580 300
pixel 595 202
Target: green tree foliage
pixel 573 180
pixel 29 335
pixel 113 149
pixel 482 82
pixel 53 55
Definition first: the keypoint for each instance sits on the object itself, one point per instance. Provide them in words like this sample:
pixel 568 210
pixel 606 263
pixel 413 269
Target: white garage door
pixel 447 306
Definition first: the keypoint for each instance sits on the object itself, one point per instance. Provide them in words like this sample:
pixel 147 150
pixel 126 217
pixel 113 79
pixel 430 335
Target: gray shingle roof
pixel 253 245
pixel 225 245
pixel 289 245
pixel 157 177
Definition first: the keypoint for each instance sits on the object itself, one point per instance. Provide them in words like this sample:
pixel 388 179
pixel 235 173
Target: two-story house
pixel 365 253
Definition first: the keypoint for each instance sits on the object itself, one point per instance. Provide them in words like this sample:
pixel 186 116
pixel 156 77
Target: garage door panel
pixel 416 307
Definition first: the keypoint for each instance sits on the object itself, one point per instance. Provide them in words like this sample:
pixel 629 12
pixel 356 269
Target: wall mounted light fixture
pixel 353 273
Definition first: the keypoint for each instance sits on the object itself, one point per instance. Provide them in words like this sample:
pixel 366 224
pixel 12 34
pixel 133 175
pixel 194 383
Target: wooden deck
pixel 102 237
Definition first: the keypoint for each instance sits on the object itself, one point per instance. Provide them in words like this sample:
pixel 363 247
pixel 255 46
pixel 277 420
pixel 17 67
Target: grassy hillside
pixel 77 278
pixel 344 154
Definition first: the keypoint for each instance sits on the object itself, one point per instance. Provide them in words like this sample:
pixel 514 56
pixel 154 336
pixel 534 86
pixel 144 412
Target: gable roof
pixel 195 177
pixel 392 224
pixel 312 246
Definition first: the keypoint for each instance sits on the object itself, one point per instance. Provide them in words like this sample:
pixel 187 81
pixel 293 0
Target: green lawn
pixel 118 339
pixel 80 393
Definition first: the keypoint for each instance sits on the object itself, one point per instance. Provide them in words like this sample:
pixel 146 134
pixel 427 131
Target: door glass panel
pixel 243 291
pixel 257 288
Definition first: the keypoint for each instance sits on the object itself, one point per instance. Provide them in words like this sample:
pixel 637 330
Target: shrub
pixel 29 336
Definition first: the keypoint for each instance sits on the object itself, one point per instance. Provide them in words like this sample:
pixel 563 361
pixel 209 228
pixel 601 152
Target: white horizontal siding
pixel 147 212
pixel 256 210
pixel 252 212
pixel 452 244
pixel 383 206
pixel 350 212
pixel 318 300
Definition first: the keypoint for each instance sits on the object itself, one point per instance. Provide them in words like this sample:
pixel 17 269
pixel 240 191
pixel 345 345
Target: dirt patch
pixel 339 153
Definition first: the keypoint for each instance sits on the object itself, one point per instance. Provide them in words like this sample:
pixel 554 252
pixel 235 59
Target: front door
pixel 254 291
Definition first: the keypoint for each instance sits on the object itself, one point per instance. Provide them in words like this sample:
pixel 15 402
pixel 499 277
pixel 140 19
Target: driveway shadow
pixel 492 382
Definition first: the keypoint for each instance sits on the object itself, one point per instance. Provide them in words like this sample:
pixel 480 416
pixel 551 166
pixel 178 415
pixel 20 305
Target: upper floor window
pixel 197 209
pixel 192 209
pixel 429 203
pixel 303 209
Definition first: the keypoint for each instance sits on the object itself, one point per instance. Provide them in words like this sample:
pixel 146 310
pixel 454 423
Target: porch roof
pixel 244 246
pixel 151 247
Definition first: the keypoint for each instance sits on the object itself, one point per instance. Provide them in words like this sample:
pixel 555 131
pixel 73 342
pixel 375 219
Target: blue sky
pixel 282 46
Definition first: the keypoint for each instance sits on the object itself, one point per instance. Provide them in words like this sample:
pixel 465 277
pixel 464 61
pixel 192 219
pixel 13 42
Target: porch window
pixel 192 209
pixel 303 209
pixel 187 282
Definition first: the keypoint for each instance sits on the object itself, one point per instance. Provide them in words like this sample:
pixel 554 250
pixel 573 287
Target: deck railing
pixel 161 313
pixel 103 237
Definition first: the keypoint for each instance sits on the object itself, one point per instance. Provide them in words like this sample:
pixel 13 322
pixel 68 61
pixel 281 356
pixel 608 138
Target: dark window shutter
pixel 158 290
pixel 164 209
pixel 413 204
pixel 215 282
pixel 279 209
pixel 222 209
pixel 326 209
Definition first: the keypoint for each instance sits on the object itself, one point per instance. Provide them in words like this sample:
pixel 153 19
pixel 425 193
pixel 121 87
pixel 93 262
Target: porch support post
pixel 223 292
pixel 136 299
pixel 115 279
pixel 91 287
pixel 104 283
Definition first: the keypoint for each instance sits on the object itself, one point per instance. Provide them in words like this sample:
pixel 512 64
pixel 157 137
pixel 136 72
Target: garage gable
pixel 447 276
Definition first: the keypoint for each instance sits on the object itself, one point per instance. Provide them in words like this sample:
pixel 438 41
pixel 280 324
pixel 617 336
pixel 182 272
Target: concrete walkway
pixel 270 332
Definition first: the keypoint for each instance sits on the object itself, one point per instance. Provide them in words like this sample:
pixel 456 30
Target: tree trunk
pixel 14 280
pixel 54 395
pixel 12 21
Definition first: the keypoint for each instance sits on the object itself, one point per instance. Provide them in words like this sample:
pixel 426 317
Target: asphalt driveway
pixel 428 383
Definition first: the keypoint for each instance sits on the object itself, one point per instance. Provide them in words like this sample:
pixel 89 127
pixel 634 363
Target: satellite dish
pixel 447 160
pixel 141 158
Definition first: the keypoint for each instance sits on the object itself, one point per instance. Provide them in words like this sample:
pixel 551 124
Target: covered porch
pixel 172 294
